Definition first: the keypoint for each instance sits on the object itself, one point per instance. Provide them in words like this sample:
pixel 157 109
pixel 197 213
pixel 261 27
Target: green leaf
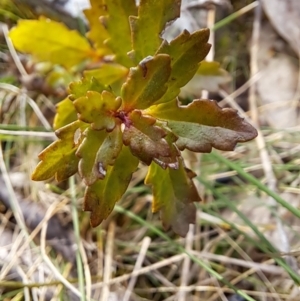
pixel 98 109
pixel 100 198
pixel 145 139
pixel 65 113
pixel 98 150
pixel 51 41
pixel 107 74
pixel 202 125
pixel 146 83
pixel 59 158
pixel 80 88
pixel 186 52
pixel 117 25
pixel 109 150
pixel 173 194
pixel 98 34
pixel 147 27
pixel 87 152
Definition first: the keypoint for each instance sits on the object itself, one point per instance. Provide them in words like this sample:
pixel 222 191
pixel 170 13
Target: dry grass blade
pixel 108 262
pixel 49 263
pixel 264 155
pixel 141 271
pixel 186 263
pixel 13 51
pixel 145 245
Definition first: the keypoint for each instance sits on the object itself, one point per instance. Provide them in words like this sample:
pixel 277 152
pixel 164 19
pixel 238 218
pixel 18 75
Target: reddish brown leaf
pixel 144 138
pixel 202 125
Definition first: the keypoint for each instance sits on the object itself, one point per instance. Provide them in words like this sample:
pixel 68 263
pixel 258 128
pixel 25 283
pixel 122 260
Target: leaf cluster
pixel 126 110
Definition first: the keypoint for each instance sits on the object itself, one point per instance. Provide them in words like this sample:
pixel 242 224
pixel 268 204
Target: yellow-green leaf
pixel 145 139
pixel 153 15
pixel 210 76
pixel 202 125
pixel 146 83
pixel 51 41
pixel 117 25
pixel 97 33
pixel 100 198
pixel 65 113
pixel 98 150
pixel 80 88
pixel 173 195
pixel 107 74
pixel 210 69
pixel 186 52
pixel 57 77
pixel 59 158
pixel 98 109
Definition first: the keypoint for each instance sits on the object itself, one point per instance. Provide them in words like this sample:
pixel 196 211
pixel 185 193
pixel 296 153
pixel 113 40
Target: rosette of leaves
pixel 127 111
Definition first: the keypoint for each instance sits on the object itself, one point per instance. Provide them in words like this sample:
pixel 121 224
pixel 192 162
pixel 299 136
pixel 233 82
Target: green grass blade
pixel 256 182
pixel 265 246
